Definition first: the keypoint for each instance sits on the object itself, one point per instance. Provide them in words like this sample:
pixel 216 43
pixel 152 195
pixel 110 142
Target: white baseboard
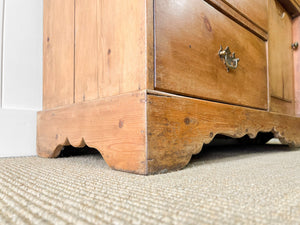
pixel 17 132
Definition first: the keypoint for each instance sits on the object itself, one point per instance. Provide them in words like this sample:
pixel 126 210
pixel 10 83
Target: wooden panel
pixel 296 33
pixel 187 55
pixel 150 44
pixel 110 47
pixel 239 18
pixel 86 60
pixel 281 106
pixel 122 46
pixel 179 126
pixel 280 52
pixel 113 125
pixel 58 53
pixel 255 10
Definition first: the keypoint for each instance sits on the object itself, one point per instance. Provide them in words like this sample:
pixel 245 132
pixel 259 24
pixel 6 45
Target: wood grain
pixel 296 38
pixel 58 59
pixel 179 126
pixel 187 60
pixel 110 49
pixel 113 125
pixel 292 6
pixel 86 51
pixel 280 55
pixel 154 132
pixel 255 10
pixel 150 44
pixel 281 106
pixel 239 17
pixel 122 49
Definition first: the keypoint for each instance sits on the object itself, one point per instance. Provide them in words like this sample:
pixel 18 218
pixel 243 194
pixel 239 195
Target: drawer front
pixel 255 10
pixel 188 39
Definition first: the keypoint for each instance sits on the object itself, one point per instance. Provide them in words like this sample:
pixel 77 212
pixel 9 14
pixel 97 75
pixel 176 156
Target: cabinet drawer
pixel 255 10
pixel 188 38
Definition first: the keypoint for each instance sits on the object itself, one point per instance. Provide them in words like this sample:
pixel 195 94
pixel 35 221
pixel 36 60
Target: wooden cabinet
pixel 147 83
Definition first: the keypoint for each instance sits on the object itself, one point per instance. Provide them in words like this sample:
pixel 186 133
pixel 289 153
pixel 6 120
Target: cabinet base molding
pixel 149 132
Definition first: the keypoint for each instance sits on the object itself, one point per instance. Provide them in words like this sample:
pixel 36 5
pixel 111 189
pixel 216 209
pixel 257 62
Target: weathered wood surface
pixel 95 48
pixel 179 126
pixel 255 10
pixel 280 59
pixel 58 60
pixel 283 107
pixel 111 49
pixel 155 133
pixel 150 44
pixel 240 18
pixel 86 50
pixel 113 125
pixel 187 60
pixel 280 52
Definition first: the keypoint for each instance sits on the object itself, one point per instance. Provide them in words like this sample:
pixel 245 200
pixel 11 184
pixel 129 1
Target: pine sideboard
pixel 149 82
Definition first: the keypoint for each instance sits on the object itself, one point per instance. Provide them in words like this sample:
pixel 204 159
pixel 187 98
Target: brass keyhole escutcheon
pixel 229 58
pixel 295 46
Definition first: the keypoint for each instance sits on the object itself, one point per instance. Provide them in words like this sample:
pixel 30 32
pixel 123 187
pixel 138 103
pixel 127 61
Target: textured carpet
pixel 229 185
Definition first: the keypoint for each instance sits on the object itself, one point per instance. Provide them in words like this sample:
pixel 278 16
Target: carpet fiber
pixel 229 185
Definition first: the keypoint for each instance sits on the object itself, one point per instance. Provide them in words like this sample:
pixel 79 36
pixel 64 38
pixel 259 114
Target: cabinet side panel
pixel 58 53
pixel 296 30
pixel 121 46
pixel 86 74
pixel 280 52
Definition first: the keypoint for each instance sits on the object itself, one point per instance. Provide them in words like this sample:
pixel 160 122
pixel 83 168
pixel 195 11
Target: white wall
pixel 17 133
pixel 1 33
pixel 21 75
pixel 22 54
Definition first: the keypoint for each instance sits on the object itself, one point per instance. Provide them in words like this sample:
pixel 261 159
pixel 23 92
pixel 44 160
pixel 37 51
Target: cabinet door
pixel 280 59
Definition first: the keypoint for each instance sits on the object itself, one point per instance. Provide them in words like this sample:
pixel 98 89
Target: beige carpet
pixel 231 185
